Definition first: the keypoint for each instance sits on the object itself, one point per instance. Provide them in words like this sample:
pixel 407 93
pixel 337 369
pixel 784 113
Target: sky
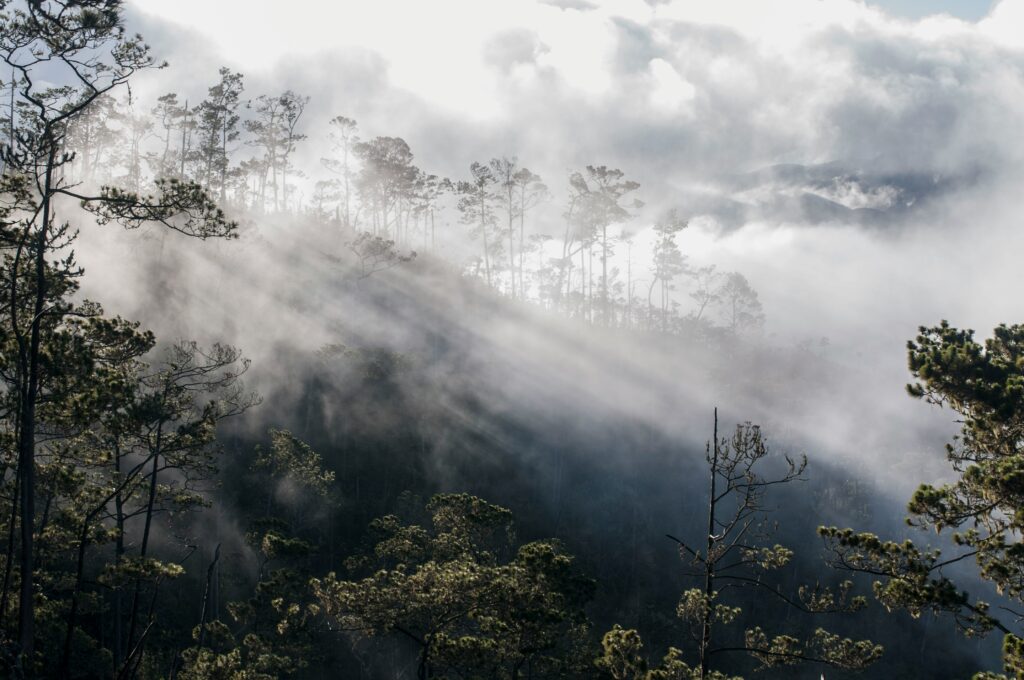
pixel 448 51
pixel 971 10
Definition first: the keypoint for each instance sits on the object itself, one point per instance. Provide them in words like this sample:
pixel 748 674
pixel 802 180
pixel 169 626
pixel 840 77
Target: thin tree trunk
pixel 134 617
pixel 522 239
pixel 423 671
pixel 511 241
pixel 9 562
pixel 629 284
pixel 604 274
pixel 118 558
pixel 709 562
pixel 483 231
pixel 72 617
pixel 11 111
pixel 184 150
pixel 27 424
pixel 224 160
pixel 348 214
pixel 206 595
pixel 650 304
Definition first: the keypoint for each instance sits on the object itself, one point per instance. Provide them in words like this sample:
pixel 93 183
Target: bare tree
pixel 737 553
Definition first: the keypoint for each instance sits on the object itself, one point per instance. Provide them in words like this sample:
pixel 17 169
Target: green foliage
pixel 182 206
pixel 733 556
pixel 622 659
pixel 911 577
pixel 470 610
pixel 823 646
pixel 291 459
pixel 227 659
pixel 983 510
pixel 277 626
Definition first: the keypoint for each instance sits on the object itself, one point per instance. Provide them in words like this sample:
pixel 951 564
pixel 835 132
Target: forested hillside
pixel 283 401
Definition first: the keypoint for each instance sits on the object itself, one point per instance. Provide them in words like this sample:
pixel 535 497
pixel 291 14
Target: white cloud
pixel 1005 23
pixel 671 94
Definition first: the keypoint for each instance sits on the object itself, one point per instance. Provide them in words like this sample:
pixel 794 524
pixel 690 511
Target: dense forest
pixel 481 426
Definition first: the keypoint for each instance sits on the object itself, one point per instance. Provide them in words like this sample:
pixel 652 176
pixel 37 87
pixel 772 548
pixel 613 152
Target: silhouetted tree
pixel 217 124
pixel 478 199
pixel 343 139
pixel 386 183
pixel 741 308
pixel 669 262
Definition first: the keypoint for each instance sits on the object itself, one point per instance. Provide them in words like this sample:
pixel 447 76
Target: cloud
pixel 1003 23
pixel 670 93
pixel 513 48
pixel 684 89
pixel 579 5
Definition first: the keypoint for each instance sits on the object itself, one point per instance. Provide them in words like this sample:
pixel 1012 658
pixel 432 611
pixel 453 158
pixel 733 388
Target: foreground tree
pixel 83 46
pixel 471 604
pixel 276 631
pixel 622 658
pixel 982 511
pixel 737 555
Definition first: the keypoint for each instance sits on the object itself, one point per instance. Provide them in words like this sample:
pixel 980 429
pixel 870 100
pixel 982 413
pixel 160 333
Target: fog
pixel 858 168
pixel 861 170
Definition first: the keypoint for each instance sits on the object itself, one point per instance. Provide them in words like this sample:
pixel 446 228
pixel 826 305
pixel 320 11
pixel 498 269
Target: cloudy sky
pixel 681 91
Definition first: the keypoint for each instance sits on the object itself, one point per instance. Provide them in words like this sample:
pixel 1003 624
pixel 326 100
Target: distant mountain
pixel 823 194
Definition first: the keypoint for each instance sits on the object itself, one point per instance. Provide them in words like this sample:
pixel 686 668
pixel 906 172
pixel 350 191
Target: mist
pixel 856 164
pixel 858 168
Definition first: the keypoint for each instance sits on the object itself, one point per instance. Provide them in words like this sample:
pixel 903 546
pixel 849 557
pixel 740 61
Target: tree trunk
pixel 29 364
pixel 483 231
pixel 134 616
pixel 224 160
pixel 522 240
pixel 709 562
pixel 10 129
pixel 5 593
pixel 604 275
pixel 204 612
pixel 511 243
pixel 184 149
pixel 118 558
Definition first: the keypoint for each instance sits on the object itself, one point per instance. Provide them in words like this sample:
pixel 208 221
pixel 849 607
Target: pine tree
pixel 84 45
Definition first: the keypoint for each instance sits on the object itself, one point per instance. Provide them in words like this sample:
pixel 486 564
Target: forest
pixel 350 417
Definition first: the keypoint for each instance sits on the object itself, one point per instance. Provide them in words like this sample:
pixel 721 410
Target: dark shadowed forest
pixel 282 396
